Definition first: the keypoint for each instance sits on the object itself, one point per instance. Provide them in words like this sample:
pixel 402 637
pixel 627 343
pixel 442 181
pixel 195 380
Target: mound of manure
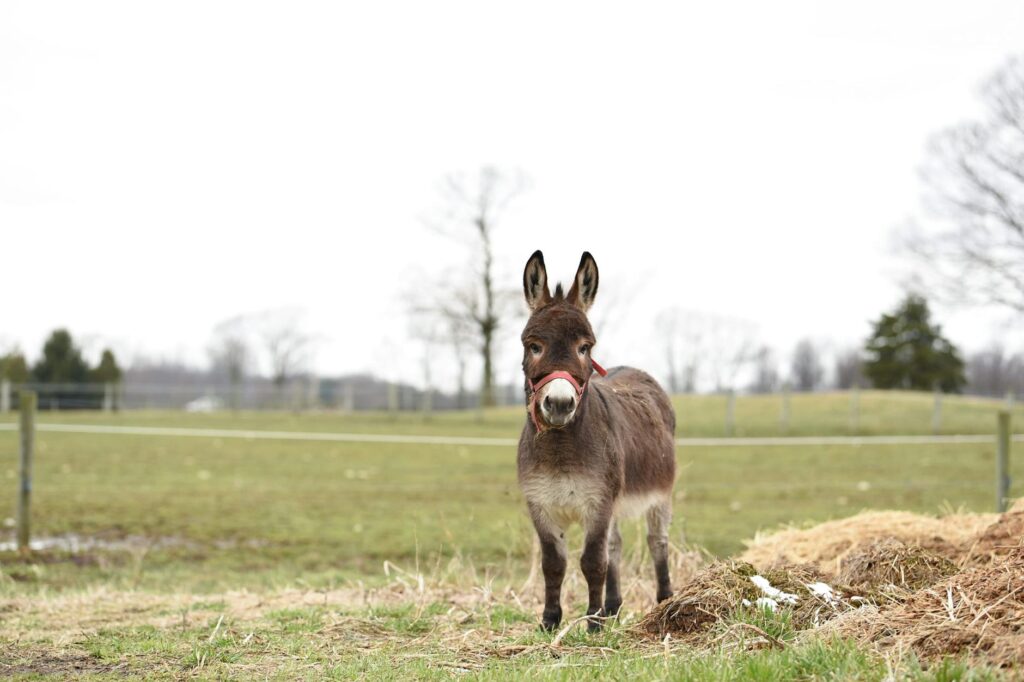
pixel 889 562
pixel 724 587
pixel 827 545
pixel 1000 539
pixel 977 612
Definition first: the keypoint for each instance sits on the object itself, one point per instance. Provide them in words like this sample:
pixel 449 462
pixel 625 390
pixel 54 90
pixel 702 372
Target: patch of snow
pixel 824 591
pixel 773 592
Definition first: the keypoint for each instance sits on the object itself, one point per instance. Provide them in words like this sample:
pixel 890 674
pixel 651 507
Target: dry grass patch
pixel 978 612
pixel 826 545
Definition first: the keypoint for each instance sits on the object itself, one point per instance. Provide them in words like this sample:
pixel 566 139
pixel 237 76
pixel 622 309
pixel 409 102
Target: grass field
pixel 229 557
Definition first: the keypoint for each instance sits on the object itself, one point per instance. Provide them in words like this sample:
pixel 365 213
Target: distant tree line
pixel 61 362
pixel 904 350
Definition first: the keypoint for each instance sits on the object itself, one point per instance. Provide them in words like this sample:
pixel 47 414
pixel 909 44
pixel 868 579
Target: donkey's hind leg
pixel 659 516
pixel 612 596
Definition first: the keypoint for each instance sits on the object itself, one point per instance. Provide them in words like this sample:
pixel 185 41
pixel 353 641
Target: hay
pixel 826 545
pixel 977 612
pixel 950 586
pixel 998 540
pixel 891 563
pixel 725 587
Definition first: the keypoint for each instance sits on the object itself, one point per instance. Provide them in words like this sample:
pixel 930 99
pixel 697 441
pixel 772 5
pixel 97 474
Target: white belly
pixel 629 506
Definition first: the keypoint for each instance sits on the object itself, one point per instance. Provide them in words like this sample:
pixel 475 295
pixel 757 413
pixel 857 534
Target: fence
pixel 307 393
pixel 724 414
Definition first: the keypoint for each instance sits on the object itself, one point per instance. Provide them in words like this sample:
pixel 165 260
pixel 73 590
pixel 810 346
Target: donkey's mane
pixel 559 294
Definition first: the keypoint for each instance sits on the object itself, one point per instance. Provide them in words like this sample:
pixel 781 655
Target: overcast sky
pixel 167 165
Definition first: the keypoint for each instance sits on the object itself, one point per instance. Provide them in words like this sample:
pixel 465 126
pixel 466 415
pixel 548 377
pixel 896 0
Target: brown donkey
pixel 592 450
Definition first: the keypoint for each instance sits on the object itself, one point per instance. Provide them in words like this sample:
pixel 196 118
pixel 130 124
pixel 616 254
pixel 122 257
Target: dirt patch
pixel 828 544
pixel 61 664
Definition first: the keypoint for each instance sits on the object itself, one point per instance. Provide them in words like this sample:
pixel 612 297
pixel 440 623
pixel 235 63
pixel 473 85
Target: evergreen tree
pixel 907 351
pixel 13 368
pixel 62 361
pixel 107 371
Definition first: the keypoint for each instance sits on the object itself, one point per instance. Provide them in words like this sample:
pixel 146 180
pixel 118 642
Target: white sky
pixel 167 165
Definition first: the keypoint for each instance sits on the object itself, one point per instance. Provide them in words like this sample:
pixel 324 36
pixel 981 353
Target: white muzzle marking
pixel 559 391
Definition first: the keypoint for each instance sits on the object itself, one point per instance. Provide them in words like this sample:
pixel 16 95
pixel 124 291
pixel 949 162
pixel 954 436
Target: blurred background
pixel 809 221
pixel 241 203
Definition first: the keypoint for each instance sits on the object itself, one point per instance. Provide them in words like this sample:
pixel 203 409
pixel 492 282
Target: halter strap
pixel 547 379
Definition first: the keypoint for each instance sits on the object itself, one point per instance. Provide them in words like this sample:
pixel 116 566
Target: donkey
pixel 592 450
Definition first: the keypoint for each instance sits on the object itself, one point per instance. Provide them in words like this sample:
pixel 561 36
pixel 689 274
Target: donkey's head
pixel 557 341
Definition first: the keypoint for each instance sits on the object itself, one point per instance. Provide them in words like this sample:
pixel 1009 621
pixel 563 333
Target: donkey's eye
pixel 535 348
pixel 584 349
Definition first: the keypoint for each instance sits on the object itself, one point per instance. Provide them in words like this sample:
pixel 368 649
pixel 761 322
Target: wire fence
pixel 305 393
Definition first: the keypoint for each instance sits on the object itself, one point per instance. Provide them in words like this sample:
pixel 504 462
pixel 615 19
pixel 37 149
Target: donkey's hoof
pixel 595 621
pixel 549 625
pixel 663 595
pixel 550 621
pixel 611 608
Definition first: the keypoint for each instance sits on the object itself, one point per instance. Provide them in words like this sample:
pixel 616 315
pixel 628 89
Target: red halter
pixel 531 407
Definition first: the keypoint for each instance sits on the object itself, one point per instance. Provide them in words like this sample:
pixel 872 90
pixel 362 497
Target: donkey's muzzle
pixel 559 401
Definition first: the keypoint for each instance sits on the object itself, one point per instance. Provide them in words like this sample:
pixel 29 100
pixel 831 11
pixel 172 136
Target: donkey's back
pixel 643 422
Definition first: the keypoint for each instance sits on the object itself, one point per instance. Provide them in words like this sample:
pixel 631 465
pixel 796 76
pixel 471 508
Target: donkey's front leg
pixel 594 564
pixel 552 561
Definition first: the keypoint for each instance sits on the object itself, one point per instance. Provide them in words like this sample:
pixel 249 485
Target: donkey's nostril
pixel 558 405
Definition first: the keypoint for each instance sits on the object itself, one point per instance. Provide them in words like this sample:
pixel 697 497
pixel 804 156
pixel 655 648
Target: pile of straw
pixel 952 586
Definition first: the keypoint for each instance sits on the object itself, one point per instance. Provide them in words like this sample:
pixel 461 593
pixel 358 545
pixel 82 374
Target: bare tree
pixel 730 348
pixel 474 206
pixel 667 325
pixel 850 370
pixel 682 335
pixel 993 372
pixel 286 344
pixel 975 173
pixel 230 354
pixel 701 349
pixel 766 371
pixel 807 371
pixel 428 336
pixel 460 340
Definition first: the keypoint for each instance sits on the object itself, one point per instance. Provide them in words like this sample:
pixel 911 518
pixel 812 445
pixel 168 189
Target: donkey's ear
pixel 584 287
pixel 535 282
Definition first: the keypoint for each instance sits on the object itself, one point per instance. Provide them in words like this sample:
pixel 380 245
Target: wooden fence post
pixel 855 409
pixel 108 397
pixel 312 392
pixel 1003 462
pixel 784 413
pixel 27 419
pixel 5 396
pixel 427 404
pixel 393 402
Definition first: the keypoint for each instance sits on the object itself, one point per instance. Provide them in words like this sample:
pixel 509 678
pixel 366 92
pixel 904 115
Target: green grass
pixel 259 513
pixel 320 643
pixel 208 517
